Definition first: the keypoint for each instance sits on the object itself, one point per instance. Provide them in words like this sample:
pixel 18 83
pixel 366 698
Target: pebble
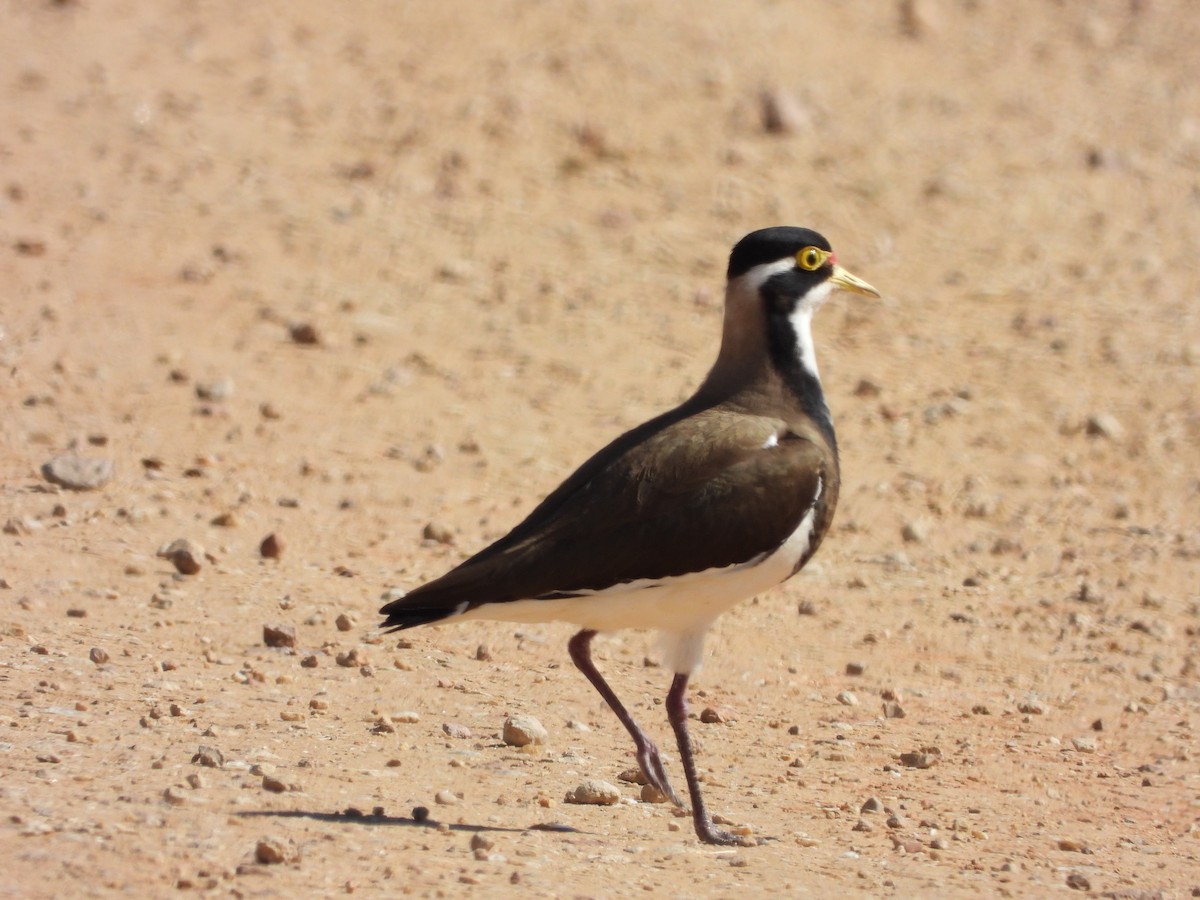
pixel 596 792
pixel 915 532
pixel 405 718
pixel 310 661
pixel 352 659
pixel 436 531
pixel 274 784
pixel 304 333
pixel 1103 425
pixel 271 546
pixel 855 668
pixel 920 760
pixel 445 798
pixel 212 391
pixel 871 804
pixel 283 635
pixel 184 554
pixel 1071 845
pixel 174 796
pixel 98 655
pixel 1084 744
pixel 273 850
pixel 651 794
pixel 455 730
pixel 209 757
pixel 521 731
pixel 480 841
pixel 893 710
pixel 1078 882
pixel 344 622
pixel 847 698
pixel 782 113
pixel 79 473
pixel 1032 705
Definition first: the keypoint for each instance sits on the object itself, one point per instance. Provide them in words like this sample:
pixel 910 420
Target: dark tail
pixel 409 612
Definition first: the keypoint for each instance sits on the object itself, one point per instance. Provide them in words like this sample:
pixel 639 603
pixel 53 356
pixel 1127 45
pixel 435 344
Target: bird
pixel 679 519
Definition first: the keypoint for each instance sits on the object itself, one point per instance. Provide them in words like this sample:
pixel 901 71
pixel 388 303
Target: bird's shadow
pixel 353 816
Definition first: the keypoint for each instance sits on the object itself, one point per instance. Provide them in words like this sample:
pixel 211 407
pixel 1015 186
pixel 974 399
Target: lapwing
pixel 676 521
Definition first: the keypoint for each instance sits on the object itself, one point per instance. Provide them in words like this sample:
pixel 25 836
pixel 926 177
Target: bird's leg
pixel 677 713
pixel 648 759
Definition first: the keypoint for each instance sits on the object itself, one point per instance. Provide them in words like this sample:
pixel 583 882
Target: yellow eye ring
pixel 812 258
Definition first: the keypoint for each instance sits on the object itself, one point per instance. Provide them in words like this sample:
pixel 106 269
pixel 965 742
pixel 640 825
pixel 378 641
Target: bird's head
pixel 777 278
pixel 790 268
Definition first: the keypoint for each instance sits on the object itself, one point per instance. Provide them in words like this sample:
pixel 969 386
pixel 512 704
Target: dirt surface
pixel 374 277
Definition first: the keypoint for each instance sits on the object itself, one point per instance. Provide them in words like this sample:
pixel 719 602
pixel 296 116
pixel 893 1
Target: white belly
pixel 682 607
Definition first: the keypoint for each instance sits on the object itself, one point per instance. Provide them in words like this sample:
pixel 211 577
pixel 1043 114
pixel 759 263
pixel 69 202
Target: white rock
pixel 520 731
pixel 594 791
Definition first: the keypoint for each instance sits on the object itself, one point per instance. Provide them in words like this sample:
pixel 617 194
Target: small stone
pixel 174 796
pixel 918 18
pixel 274 784
pixel 310 661
pixel 1103 425
pixel 920 760
pixel 915 532
pixel 782 113
pixel 1070 845
pixel 196 781
pixel 79 473
pixel 863 825
pixel 344 622
pixel 522 731
pixel 1084 744
pixel 271 851
pixel 405 718
pixel 480 841
pixel 352 659
pixel 98 655
pixel 271 546
pixel 445 798
pixel 651 794
pixel 213 391
pixel 633 775
pixel 871 805
pixel 282 635
pixel 420 813
pixel 711 716
pixel 1032 705
pixel 318 704
pixel 893 710
pixel 483 653
pixel 1078 882
pixel 855 668
pixel 436 531
pixel 184 554
pixel 596 792
pixel 76 613
pixel 304 333
pixel 847 698
pixel 895 821
pixel 209 757
pixel 456 731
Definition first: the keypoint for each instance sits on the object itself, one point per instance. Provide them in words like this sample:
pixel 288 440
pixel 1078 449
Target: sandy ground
pixel 505 226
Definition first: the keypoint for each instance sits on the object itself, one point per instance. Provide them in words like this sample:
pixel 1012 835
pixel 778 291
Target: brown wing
pixel 681 495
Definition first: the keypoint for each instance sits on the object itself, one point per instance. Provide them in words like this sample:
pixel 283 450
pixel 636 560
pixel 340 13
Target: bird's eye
pixel 811 258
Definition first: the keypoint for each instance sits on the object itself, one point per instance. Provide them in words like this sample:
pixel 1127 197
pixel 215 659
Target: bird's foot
pixel 711 834
pixel 652 770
